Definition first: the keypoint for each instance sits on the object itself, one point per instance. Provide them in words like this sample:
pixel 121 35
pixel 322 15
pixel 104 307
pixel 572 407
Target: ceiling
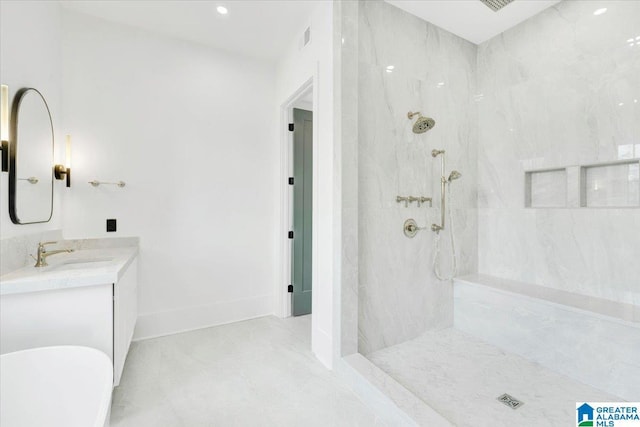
pixel 260 29
pixel 266 28
pixel 471 19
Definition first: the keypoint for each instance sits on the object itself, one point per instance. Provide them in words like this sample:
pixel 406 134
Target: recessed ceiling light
pixel 638 38
pixel 600 11
pixel 222 10
pixel 390 67
pixel 621 104
pixel 630 40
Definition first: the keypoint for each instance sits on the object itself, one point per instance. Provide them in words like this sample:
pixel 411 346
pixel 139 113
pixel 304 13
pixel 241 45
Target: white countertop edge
pixel 28 279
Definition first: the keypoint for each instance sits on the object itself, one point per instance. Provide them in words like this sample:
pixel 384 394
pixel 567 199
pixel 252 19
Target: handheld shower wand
pixel 443 183
pixel 454 175
pixel 438 227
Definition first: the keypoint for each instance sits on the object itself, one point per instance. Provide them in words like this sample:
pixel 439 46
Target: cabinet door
pixel 74 316
pixel 125 314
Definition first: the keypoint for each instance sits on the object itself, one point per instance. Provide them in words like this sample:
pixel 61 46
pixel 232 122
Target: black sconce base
pixel 5 156
pixel 60 172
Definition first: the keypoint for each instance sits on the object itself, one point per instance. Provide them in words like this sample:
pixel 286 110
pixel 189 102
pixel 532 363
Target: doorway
pixel 302 182
pixel 296 233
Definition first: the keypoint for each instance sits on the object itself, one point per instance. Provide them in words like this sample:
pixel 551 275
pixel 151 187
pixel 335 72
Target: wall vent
pixel 496 5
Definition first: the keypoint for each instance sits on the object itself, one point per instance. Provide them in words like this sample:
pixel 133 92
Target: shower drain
pixel 510 401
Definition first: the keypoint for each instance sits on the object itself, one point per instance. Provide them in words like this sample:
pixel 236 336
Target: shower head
pixel 423 124
pixel 454 175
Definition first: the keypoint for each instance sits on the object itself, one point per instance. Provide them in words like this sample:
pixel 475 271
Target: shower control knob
pixel 410 228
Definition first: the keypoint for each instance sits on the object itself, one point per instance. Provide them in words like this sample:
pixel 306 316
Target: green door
pixel 302 202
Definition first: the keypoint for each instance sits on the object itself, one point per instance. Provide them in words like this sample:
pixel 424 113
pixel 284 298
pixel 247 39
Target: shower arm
pixel 443 182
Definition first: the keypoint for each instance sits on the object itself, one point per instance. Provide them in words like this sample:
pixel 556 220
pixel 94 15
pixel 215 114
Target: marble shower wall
pixel 433 72
pixel 560 89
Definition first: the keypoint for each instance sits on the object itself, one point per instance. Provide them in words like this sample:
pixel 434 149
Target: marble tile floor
pixel 461 376
pixel 256 373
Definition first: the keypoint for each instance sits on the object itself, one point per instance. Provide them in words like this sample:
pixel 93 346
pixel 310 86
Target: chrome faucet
pixel 41 261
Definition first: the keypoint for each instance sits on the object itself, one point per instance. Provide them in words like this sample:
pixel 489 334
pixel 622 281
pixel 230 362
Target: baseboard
pixel 152 325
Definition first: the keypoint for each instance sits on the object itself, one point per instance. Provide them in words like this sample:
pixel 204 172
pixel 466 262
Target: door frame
pixel 283 297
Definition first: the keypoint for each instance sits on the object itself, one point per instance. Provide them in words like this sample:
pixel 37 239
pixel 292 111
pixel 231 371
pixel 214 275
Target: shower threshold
pixel 459 376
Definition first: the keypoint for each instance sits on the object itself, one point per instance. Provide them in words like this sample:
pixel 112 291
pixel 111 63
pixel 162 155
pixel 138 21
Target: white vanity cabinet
pixel 125 314
pixel 61 312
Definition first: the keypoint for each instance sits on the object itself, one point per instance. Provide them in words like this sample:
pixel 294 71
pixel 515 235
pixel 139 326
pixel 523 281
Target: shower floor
pixel 460 377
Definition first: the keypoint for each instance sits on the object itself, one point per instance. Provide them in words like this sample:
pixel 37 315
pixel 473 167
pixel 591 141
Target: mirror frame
pixel 13 153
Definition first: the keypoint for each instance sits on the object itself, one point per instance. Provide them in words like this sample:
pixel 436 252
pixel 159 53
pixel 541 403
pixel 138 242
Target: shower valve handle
pixel 406 200
pixel 411 228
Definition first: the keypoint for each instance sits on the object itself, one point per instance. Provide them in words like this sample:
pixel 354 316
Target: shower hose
pixel 436 243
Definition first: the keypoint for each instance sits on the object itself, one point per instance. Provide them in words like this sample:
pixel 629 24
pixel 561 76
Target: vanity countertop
pixel 84 267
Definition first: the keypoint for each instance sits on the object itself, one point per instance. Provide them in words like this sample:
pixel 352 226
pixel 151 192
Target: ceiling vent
pixel 496 5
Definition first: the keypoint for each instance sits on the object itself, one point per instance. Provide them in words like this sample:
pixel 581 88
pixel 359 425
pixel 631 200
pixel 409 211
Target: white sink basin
pixel 81 264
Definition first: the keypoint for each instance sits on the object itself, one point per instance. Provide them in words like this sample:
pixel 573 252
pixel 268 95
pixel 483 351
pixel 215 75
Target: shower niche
pixel 546 188
pixel 613 184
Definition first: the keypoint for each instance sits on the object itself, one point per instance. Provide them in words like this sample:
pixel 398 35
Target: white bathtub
pixel 62 386
pixel 594 341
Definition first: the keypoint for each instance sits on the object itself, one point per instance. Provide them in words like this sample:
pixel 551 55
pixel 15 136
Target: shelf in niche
pixel 610 185
pixel 546 188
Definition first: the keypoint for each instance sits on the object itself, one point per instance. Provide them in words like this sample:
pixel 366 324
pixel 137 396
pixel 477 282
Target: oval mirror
pixel 31 159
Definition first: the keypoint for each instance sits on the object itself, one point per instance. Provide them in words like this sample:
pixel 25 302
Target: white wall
pixel 195 134
pixel 315 61
pixel 30 35
pixel 559 91
pixel 190 130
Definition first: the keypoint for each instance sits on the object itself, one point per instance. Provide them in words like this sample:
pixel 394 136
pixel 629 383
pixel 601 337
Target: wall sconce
pixel 62 171
pixel 4 126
